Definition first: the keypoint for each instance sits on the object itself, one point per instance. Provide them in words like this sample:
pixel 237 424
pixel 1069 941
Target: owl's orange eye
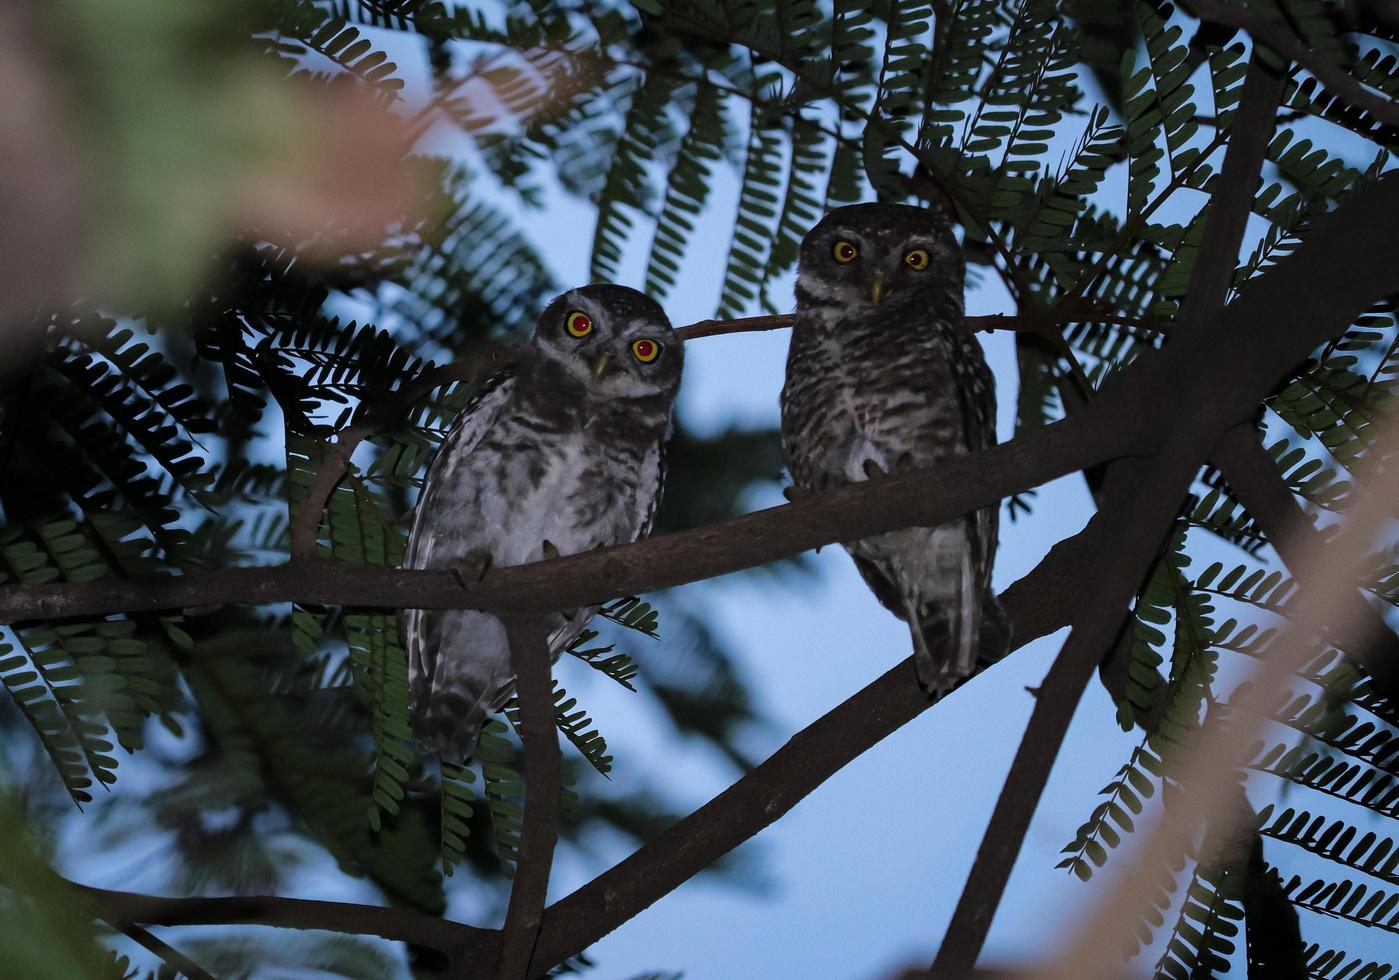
pixel 578 324
pixel 917 259
pixel 845 252
pixel 645 351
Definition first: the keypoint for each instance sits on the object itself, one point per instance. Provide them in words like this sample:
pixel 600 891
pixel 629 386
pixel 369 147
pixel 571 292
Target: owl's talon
pixel 472 569
pixel 794 493
pixel 873 471
pixel 549 550
pixel 904 462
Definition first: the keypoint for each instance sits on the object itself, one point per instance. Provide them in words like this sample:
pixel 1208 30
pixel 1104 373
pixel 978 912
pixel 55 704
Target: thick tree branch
pixel 1037 605
pixel 390 408
pixel 1280 38
pixel 529 658
pixel 1140 504
pixel 843 514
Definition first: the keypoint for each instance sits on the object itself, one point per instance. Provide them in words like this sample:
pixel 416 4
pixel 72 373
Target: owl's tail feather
pixel 947 634
pixel 451 726
pixel 468 685
pixel 996 631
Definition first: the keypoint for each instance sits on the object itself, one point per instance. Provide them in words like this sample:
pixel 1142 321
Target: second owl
pixel 882 375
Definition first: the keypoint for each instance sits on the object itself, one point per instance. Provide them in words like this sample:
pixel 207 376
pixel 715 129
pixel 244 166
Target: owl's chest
pixel 881 402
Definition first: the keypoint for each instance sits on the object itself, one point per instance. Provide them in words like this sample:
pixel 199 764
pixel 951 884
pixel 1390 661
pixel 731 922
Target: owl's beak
pixel 599 366
pixel 877 288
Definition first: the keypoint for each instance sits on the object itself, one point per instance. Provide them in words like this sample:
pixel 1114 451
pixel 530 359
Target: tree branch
pixel 1281 39
pixel 1037 605
pixel 404 925
pixel 529 658
pixel 846 513
pixel 1140 502
pixel 392 406
pixel 172 956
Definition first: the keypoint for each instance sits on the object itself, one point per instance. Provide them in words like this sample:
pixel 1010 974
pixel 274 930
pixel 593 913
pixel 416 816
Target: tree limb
pixel 1281 39
pixel 1140 502
pixel 529 658
pixel 842 514
pixel 391 406
pixel 404 925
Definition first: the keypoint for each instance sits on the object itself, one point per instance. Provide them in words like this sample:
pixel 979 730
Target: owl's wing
pixel 420 627
pixel 650 486
pixel 976 395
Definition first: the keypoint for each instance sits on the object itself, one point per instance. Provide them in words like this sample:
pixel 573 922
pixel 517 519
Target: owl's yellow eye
pixel 645 351
pixel 917 259
pixel 578 324
pixel 845 252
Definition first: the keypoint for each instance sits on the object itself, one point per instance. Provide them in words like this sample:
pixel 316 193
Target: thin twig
pixel 172 956
pixel 387 411
pixel 529 658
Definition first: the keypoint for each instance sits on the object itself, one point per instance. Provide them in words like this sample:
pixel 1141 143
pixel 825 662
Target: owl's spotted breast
pixel 560 455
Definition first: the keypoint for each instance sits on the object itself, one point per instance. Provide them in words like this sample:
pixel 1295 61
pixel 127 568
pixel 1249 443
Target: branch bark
pixel 404 925
pixel 529 658
pixel 1141 501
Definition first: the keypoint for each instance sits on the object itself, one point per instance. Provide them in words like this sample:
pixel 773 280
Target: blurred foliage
pixel 261 264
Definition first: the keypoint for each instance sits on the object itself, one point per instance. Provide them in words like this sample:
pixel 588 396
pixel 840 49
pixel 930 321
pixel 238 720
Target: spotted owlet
pixel 882 375
pixel 558 454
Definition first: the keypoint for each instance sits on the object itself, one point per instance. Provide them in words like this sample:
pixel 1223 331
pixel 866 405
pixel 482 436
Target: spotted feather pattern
pixel 544 461
pixel 883 378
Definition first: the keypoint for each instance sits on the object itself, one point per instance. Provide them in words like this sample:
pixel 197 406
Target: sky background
pixel 861 878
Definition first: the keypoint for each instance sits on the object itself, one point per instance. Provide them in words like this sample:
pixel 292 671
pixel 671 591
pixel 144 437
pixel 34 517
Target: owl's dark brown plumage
pixel 882 375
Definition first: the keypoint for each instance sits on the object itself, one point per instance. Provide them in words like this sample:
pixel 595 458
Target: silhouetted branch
pixel 172 956
pixel 1140 502
pixel 405 925
pixel 529 658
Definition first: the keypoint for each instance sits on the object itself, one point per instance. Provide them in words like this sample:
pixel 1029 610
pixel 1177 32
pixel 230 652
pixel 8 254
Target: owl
pixel 883 375
pixel 558 454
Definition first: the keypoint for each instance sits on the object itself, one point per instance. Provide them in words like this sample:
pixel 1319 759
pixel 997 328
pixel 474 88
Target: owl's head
pixel 873 255
pixel 612 340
